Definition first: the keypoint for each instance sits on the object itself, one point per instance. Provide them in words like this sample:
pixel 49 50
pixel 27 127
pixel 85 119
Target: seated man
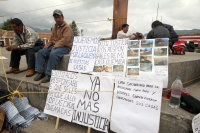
pixel 122 34
pixel 60 44
pixel 158 31
pixel 25 42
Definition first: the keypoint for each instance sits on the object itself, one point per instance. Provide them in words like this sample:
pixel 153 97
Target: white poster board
pixel 83 54
pixel 111 58
pixel 93 102
pixel 147 58
pixel 136 106
pixel 196 124
pixel 61 95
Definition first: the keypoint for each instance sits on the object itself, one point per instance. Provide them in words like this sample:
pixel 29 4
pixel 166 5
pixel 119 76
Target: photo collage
pixel 143 55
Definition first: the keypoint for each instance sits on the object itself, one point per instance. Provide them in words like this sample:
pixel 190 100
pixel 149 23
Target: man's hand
pixel 53 48
pixel 47 45
pixel 11 47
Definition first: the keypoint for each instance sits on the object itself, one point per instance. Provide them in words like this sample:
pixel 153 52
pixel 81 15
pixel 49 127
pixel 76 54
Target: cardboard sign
pixel 136 106
pixel 111 58
pixel 83 54
pixel 196 124
pixel 61 95
pixel 93 102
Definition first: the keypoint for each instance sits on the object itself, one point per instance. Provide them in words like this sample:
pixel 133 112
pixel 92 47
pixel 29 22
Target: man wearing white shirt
pixel 122 34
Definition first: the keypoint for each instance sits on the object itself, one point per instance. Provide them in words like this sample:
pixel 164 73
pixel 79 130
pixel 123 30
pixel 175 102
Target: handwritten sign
pixel 83 54
pixel 111 58
pixel 196 124
pixel 61 95
pixel 93 102
pixel 136 106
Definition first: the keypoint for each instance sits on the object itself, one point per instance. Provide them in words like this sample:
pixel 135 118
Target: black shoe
pixel 39 76
pixel 46 79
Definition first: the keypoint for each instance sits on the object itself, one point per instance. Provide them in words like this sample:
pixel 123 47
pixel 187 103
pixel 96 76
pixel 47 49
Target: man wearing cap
pixel 25 42
pixel 59 44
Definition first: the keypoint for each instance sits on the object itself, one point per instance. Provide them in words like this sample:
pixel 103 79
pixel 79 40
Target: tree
pixel 75 28
pixel 6 25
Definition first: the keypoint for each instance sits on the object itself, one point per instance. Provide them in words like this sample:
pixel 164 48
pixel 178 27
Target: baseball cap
pixel 58 12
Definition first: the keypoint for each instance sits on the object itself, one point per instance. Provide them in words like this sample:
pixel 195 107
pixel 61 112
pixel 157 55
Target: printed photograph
pixel 148 43
pixel 146 51
pixel 160 61
pixel 97 69
pixel 160 42
pixel 145 59
pixel 118 68
pixel 160 52
pixel 132 52
pixel 146 67
pixel 133 71
pixel 107 68
pixel 133 62
pixel 133 44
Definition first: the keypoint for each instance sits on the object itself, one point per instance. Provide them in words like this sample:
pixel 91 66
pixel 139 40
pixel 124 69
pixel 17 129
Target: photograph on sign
pixel 153 59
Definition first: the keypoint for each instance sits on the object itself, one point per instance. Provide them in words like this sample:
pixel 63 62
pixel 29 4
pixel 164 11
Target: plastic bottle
pixel 176 89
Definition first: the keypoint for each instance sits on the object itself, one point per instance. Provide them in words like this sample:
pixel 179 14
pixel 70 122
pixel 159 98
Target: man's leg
pixel 55 56
pixel 15 60
pixel 40 62
pixel 30 58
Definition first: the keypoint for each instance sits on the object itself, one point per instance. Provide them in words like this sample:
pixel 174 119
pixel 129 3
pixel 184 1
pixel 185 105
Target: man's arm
pixel 149 35
pixel 67 36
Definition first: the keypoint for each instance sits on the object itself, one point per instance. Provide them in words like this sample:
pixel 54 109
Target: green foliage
pixel 198 51
pixel 75 28
pixel 6 25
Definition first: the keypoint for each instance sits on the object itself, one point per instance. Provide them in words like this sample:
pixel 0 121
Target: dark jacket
pixel 174 36
pixel 159 32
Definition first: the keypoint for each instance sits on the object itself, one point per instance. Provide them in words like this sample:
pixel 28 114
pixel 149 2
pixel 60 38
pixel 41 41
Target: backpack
pixel 191 47
pixel 178 48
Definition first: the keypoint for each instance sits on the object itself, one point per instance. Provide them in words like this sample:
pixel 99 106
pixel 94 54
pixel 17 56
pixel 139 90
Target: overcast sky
pixel 182 14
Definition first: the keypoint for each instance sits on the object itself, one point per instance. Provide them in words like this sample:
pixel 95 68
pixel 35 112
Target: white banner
pixel 136 106
pixel 93 102
pixel 111 58
pixel 61 95
pixel 83 54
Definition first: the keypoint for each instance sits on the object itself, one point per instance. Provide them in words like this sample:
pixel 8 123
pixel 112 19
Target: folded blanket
pixel 21 114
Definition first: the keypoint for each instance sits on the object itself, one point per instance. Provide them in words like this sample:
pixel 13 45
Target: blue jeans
pixel 53 55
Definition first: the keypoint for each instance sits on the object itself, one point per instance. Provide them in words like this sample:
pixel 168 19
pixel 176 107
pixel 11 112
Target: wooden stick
pixel 89 129
pixel 57 122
